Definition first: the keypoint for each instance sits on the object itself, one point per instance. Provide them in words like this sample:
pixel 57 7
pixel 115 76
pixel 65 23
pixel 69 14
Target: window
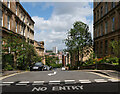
pixel 16 27
pixel 1 19
pixel 97 47
pixel 106 27
pixel 28 33
pixel 24 18
pixel 23 30
pixel 16 9
pixel 8 22
pixel 106 47
pixel 98 14
pixel 113 23
pixel 21 15
pixel 106 7
pixel 98 32
pixel 95 33
pixel 101 30
pixel 113 4
pixel 101 48
pixel 101 11
pixel 95 17
pixel 112 52
pixel 8 4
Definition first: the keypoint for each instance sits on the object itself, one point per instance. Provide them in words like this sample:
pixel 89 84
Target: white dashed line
pixel 113 80
pixel 22 83
pixel 69 81
pixel 7 82
pixel 38 82
pixel 84 81
pixel 100 80
pixel 54 82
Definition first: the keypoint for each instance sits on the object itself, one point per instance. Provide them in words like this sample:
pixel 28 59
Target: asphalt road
pixel 57 81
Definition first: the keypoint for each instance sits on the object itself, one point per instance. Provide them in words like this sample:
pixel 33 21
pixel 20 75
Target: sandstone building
pixel 106 27
pixel 15 19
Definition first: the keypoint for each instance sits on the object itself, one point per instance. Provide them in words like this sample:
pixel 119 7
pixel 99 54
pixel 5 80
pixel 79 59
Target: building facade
pixel 39 47
pixel 15 19
pixel 106 27
pixel 55 50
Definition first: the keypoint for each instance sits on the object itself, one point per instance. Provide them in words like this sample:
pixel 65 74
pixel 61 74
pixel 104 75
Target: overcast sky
pixel 53 20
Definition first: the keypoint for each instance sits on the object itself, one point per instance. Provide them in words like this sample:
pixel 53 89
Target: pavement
pixel 6 73
pixel 110 73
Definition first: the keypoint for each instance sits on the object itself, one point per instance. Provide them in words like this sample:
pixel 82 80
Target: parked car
pixel 63 68
pixel 37 66
pixel 50 67
pixel 46 67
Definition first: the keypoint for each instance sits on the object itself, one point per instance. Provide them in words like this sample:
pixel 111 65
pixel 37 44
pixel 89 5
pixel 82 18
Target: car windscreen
pixel 39 63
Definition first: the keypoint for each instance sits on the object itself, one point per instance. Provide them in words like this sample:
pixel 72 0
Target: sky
pixel 54 19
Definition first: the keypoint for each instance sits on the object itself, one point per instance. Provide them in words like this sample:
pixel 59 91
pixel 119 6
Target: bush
pixel 8 67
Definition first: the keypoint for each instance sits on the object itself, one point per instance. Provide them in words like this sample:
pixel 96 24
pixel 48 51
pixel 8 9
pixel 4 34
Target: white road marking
pixel 54 82
pixel 113 80
pixel 21 84
pixel 24 82
pixel 69 81
pixel 50 74
pixel 5 84
pixel 84 81
pixel 38 82
pixel 100 80
pixel 8 82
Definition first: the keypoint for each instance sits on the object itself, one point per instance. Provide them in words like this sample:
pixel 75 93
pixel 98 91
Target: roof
pixel 25 11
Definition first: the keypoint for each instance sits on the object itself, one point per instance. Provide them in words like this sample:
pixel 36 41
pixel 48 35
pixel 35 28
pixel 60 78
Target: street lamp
pixel 96 62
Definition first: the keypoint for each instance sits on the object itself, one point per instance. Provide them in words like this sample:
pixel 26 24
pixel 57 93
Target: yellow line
pixel 104 76
pixel 1 78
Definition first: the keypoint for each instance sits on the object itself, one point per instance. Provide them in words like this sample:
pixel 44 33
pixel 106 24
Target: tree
pixel 24 53
pixel 79 40
pixel 115 45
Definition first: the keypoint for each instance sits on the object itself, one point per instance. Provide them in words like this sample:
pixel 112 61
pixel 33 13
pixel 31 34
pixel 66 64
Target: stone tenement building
pixel 15 19
pixel 39 47
pixel 106 26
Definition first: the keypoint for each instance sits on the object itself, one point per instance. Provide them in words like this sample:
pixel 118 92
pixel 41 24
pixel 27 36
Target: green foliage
pixel 56 65
pixel 51 61
pixel 8 67
pixel 68 65
pixel 116 47
pixel 113 60
pixel 52 54
pixel 23 52
pixel 79 40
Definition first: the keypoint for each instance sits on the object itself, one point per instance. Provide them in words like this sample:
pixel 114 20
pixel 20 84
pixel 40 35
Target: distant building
pixel 106 27
pixel 55 50
pixel 39 47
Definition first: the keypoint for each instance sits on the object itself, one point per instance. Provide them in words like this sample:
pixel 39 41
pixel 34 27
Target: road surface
pixel 57 81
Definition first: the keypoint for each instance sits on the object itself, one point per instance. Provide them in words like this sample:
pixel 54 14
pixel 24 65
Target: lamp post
pixel 96 62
